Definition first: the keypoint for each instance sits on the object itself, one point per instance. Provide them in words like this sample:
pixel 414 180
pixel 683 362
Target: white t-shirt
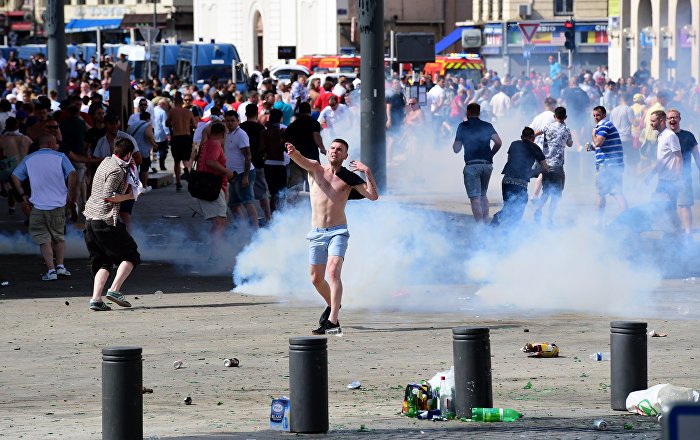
pixel 237 139
pixel 339 90
pixel 150 105
pixel 241 110
pixel 540 122
pixel 334 118
pixel 71 63
pixel 436 98
pixel 104 149
pixel 500 104
pixel 93 70
pixel 622 117
pixel 668 144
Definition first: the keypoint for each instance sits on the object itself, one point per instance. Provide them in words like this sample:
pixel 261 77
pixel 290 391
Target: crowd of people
pixel 52 152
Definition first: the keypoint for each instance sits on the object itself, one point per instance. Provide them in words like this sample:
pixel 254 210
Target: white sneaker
pixel 50 276
pixel 62 271
pixel 147 189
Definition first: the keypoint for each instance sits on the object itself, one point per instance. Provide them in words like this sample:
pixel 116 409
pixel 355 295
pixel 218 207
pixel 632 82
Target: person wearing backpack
pixel 142 131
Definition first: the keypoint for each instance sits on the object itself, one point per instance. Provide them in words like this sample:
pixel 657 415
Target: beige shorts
pixel 47 226
pixel 209 210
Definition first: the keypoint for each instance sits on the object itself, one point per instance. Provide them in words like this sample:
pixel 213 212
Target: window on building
pixel 563 7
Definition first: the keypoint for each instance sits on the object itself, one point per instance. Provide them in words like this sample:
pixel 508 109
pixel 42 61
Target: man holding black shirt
pixel 522 155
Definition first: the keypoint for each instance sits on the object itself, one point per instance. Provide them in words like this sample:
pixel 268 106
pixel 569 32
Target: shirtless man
pixel 40 128
pixel 13 147
pixel 330 187
pixel 181 123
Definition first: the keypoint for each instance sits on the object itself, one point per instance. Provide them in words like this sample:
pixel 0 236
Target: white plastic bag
pixel 449 379
pixel 654 400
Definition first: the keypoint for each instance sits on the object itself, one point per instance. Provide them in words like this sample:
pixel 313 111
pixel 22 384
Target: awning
pixel 131 21
pixel 449 40
pixel 92 25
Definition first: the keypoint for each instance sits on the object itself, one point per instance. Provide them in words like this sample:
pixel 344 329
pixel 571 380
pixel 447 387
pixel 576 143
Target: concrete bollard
pixel 122 398
pixel 471 349
pixel 308 384
pixel 628 360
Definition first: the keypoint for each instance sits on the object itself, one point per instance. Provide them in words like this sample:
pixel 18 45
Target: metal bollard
pixel 308 384
pixel 628 360
pixel 122 398
pixel 471 349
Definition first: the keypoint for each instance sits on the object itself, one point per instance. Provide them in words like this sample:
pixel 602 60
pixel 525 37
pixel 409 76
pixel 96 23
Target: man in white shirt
pixel 239 160
pixel 669 166
pixel 622 117
pixel 93 68
pixel 500 104
pixel 143 106
pixel 253 99
pixel 538 124
pixel 334 116
pixel 71 65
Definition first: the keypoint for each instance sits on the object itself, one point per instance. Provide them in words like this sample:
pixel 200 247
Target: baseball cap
pixel 638 97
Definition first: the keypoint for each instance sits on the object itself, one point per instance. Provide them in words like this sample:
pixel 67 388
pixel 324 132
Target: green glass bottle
pixel 495 415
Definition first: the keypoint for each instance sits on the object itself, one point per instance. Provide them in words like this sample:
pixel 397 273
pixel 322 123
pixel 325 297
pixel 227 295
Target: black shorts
pixel 553 183
pixel 276 177
pixel 181 147
pixel 127 206
pixel 145 165
pixel 109 245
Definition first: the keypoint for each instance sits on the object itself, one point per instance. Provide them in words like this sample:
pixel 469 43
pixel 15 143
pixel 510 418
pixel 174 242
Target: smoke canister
pixel 177 364
pixel 230 362
pixel 600 424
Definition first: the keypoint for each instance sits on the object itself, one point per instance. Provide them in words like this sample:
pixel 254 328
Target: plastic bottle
pixel 445 399
pixel 495 415
pixel 600 356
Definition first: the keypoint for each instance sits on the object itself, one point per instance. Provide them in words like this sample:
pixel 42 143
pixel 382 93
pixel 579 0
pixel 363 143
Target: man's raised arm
pixel 307 164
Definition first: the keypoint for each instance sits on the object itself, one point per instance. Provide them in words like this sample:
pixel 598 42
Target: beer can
pixel 600 424
pixel 230 362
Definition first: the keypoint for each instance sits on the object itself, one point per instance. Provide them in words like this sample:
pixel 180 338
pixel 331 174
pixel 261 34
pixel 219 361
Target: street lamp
pixel 628 37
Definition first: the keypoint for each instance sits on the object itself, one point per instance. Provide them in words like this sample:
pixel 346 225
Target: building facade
pixel 664 33
pixel 505 50
pixel 258 27
pixel 117 20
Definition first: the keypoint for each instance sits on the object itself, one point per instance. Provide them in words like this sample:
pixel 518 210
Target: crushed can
pixel 279 414
pixel 541 350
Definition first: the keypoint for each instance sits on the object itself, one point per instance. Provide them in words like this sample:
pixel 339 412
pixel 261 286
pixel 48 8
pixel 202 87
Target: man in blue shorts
pixel 330 186
pixel 475 136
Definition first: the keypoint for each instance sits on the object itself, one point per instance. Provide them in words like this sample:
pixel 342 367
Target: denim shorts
pixel 608 180
pixel 476 178
pixel 239 195
pixel 327 241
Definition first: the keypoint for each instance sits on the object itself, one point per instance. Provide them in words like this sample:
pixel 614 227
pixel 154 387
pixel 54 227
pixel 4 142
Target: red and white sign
pixel 529 30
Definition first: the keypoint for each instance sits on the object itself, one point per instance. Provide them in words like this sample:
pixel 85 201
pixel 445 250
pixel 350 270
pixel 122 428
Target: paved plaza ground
pixel 51 344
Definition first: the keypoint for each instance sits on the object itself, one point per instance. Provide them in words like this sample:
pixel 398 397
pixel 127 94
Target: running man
pixel 330 187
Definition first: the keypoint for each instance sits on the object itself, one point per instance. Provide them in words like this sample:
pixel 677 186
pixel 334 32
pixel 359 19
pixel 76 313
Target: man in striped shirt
pixel 107 239
pixel 608 162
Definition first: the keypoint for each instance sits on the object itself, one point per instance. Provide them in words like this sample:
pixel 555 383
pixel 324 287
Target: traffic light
pixel 570 35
